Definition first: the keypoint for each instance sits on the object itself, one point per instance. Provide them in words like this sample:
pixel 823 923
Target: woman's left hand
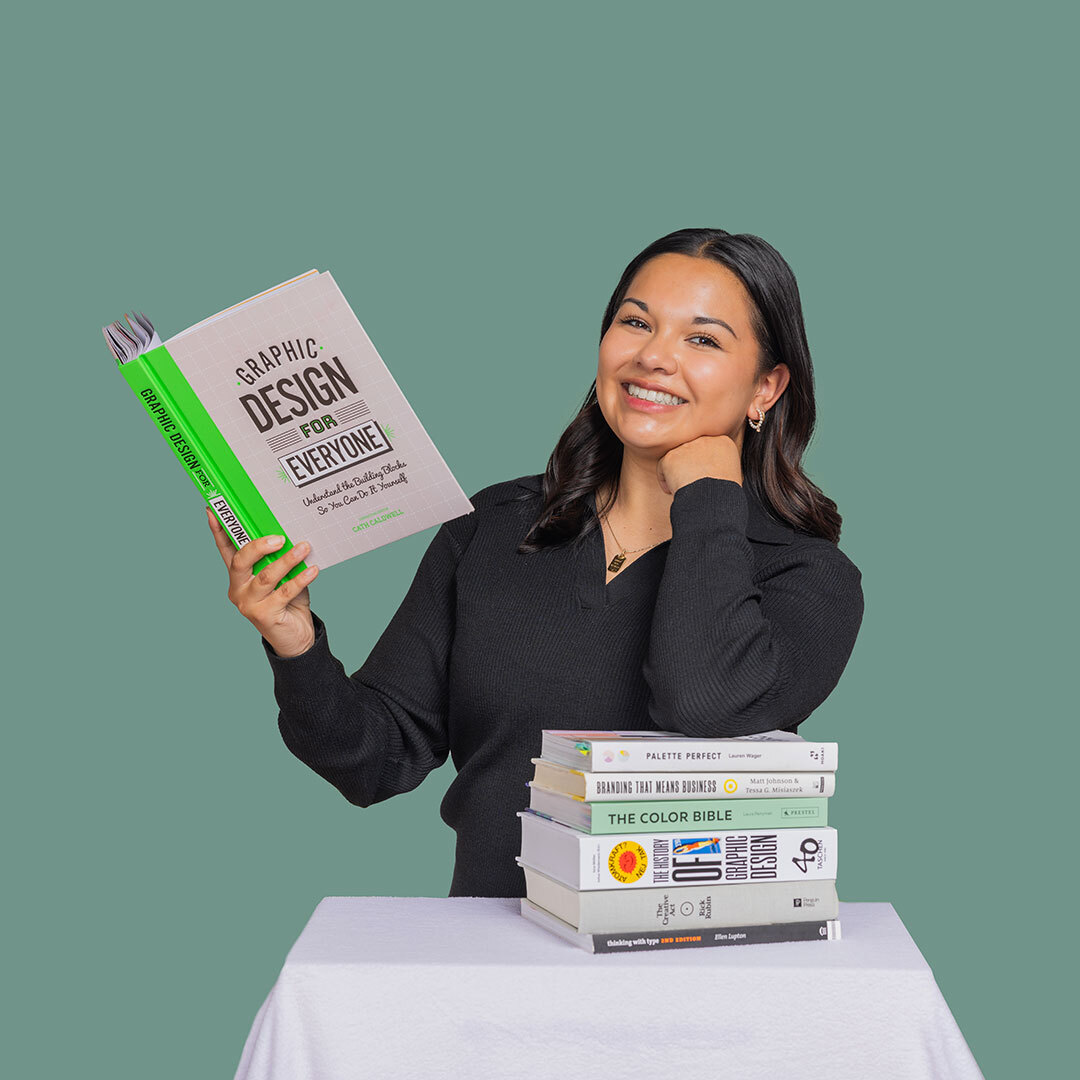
pixel 707 455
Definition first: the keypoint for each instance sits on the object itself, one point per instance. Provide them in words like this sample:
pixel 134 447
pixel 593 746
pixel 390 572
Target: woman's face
pixel 684 328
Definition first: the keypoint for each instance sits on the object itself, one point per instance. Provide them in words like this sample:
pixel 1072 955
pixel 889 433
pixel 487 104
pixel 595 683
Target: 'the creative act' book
pixel 289 423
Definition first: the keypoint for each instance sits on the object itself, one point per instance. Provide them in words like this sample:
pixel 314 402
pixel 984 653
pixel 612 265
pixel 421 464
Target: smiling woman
pixel 715 320
pixel 672 569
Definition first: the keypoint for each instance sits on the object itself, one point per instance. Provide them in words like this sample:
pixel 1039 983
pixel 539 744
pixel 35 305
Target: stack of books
pixel 639 840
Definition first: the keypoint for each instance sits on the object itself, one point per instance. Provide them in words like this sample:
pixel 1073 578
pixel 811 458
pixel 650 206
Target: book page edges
pixel 251 299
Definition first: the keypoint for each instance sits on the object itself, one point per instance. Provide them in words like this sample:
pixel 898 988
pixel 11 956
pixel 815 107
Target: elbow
pixel 741 699
pixel 746 718
pixel 353 783
pixel 744 702
pixel 356 796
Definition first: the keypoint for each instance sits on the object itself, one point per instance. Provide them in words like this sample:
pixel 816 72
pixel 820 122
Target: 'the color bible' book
pixel 289 423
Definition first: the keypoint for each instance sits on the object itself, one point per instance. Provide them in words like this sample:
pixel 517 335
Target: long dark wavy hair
pixel 588 455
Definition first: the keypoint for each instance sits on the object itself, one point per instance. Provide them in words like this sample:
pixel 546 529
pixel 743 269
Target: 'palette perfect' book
pixel 671 751
pixel 284 415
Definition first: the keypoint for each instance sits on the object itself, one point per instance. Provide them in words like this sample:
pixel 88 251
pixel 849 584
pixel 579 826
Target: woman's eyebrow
pixel 697 318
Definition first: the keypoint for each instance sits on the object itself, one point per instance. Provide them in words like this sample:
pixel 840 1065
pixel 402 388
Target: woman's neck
pixel 643 509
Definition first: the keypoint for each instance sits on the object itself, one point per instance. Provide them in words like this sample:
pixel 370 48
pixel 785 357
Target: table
pixel 426 987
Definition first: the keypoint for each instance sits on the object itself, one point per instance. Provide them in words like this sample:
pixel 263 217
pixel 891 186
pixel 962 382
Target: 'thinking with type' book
pixel 284 415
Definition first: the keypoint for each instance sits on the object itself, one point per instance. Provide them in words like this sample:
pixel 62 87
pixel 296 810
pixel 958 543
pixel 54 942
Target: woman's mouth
pixel 647 402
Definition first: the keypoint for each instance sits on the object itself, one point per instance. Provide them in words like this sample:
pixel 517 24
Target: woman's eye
pixel 631 320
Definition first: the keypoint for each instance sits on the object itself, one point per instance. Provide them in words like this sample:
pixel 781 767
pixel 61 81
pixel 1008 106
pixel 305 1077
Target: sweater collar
pixel 759 525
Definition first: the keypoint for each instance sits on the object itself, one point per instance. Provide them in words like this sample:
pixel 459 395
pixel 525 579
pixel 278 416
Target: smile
pixel 644 398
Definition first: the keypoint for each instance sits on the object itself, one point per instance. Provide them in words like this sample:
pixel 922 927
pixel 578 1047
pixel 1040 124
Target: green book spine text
pixel 203 452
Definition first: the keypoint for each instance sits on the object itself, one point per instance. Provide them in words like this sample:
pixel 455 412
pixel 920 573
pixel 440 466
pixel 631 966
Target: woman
pixel 672 569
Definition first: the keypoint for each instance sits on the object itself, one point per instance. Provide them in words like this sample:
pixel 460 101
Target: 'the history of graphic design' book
pixel 288 422
pixel 691 857
pixel 670 751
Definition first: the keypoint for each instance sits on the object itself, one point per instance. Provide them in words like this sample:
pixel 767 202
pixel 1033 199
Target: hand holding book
pixel 282 615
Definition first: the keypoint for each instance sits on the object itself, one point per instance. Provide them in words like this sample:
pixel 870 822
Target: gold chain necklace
pixel 616 563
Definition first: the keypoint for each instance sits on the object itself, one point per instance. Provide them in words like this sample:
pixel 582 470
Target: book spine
pixel 610 911
pixel 605 787
pixel 691 755
pixel 714 814
pixel 768 934
pixel 648 940
pixel 204 453
pixel 672 859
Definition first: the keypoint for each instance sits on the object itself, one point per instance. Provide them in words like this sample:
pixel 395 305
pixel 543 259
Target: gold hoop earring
pixel 761 419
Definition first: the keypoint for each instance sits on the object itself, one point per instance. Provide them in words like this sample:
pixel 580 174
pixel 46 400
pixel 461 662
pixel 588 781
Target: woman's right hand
pixel 282 616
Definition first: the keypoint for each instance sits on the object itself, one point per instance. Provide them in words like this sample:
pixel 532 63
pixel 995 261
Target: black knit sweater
pixel 734 625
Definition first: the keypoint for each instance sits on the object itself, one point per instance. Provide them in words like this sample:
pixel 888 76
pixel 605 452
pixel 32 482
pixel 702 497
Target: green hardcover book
pixel 676 814
pixel 288 422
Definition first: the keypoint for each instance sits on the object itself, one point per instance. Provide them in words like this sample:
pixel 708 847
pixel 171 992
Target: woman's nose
pixel 659 352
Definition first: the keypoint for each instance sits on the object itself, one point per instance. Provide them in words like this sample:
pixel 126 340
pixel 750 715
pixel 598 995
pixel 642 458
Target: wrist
pixel 293 651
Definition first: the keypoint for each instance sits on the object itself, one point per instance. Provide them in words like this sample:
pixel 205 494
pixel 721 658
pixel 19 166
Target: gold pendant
pixel 616 562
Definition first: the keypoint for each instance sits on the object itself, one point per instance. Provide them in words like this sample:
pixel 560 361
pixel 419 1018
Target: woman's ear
pixel 770 387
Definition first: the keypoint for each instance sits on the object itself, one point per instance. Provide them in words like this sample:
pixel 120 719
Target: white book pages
pixel 130 338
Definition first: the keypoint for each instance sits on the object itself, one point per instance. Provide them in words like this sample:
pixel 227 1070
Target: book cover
pixel 670 751
pixel 286 418
pixel 772 933
pixel 610 911
pixel 612 817
pixel 601 787
pixel 642 860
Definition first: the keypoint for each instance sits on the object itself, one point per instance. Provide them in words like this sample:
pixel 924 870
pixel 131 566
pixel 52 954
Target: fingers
pixel 266 581
pixel 267 612
pixel 291 589
pixel 252 552
pixel 224 544
pixel 245 587
pixel 240 561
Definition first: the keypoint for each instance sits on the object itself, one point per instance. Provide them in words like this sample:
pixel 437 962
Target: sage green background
pixel 476 176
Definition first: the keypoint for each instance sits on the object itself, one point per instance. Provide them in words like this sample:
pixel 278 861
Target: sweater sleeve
pixel 732 656
pixel 380 731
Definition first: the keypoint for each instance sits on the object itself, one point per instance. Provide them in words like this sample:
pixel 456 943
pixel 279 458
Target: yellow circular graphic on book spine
pixel 627 862
pixel 731 785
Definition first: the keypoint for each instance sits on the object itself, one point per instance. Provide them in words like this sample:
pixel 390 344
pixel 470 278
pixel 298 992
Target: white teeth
pixel 653 395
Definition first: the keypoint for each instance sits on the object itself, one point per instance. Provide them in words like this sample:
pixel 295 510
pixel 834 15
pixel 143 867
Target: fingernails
pixel 275 541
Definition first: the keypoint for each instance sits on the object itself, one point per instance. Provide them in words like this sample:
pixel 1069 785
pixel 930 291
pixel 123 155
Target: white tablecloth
pixel 424 987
